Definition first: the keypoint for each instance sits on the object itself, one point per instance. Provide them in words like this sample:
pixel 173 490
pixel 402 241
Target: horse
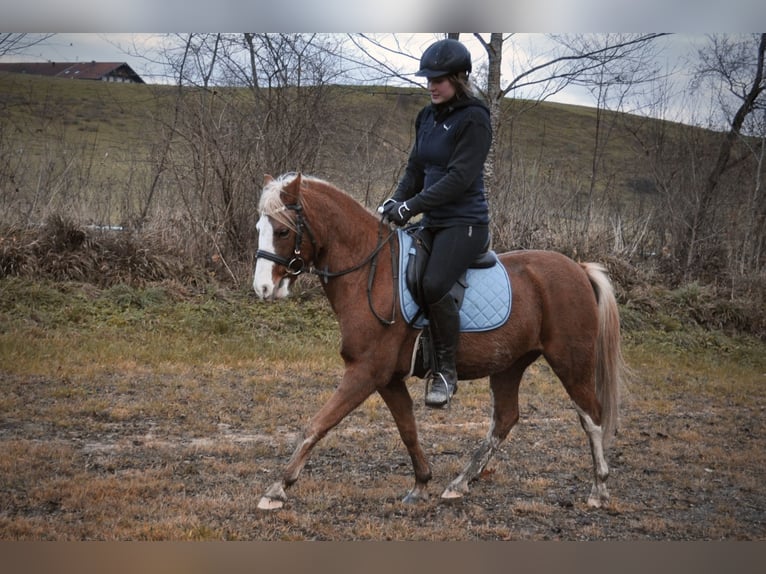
pixel 563 310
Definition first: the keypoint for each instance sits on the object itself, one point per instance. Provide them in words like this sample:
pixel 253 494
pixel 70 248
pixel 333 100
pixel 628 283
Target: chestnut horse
pixel 561 310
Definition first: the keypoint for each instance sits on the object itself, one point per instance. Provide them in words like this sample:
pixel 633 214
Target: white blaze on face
pixel 263 278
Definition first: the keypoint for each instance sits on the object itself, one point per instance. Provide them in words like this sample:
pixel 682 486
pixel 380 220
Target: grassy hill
pixel 114 117
pixel 81 139
pixel 118 126
pixel 39 111
pixel 187 164
pixel 111 153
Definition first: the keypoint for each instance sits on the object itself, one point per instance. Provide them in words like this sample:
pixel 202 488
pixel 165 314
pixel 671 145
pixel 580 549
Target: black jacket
pixel 444 177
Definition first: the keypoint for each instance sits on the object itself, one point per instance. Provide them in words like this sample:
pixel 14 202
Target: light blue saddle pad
pixel 487 301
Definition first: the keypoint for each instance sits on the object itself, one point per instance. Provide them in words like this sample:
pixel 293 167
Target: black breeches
pixel 453 249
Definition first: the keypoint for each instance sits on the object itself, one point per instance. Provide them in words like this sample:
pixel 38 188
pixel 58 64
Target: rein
pixel 297 265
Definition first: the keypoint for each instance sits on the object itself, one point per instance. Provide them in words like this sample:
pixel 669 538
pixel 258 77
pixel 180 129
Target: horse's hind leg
pixel 399 402
pixel 577 375
pixel 505 399
pixel 599 495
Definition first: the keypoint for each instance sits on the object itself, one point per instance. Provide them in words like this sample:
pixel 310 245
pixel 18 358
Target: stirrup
pixel 438 391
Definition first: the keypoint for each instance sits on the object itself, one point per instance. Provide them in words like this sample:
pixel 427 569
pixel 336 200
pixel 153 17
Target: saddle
pixel 486 305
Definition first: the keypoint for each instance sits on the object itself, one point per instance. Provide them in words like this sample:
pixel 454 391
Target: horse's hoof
pixel 599 496
pixel 267 503
pixel 415 496
pixel 451 494
pixel 597 502
pixel 455 489
pixel 274 498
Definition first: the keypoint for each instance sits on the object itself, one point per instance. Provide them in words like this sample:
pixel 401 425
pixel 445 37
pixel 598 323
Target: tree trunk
pixel 494 98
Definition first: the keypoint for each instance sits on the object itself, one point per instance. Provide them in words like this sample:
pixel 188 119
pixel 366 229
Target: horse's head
pixel 285 243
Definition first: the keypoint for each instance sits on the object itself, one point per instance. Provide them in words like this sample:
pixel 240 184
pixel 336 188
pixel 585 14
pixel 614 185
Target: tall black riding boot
pixel 444 325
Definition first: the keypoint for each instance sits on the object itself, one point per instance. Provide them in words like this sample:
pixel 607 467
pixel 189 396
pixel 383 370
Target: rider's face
pixel 441 89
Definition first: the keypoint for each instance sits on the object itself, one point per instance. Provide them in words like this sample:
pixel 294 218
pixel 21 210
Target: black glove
pixel 396 211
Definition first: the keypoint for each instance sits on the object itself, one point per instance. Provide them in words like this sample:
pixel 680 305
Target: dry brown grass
pixel 63 250
pixel 154 418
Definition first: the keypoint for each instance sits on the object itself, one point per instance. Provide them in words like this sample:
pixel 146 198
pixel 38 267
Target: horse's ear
pixel 267 179
pixel 292 191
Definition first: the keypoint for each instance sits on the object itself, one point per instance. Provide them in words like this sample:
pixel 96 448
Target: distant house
pixel 104 71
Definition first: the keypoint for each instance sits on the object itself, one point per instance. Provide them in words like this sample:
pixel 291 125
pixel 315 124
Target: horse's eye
pixel 282 233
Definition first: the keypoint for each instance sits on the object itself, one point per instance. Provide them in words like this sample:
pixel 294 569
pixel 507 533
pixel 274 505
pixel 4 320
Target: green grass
pixel 41 322
pixel 113 118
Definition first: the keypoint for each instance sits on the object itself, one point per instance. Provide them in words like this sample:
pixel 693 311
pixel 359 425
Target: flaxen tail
pixel 611 371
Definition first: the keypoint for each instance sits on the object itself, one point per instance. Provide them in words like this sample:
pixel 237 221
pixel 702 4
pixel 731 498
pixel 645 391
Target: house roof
pixel 74 70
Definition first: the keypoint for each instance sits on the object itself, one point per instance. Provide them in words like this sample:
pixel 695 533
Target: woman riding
pixel 444 180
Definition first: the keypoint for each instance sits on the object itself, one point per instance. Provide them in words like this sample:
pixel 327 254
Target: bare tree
pixel 617 73
pixel 751 256
pixel 220 140
pixel 737 65
pixel 372 60
pixel 583 60
pixel 17 43
pixel 707 184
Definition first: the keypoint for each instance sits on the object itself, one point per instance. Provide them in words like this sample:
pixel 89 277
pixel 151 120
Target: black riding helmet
pixel 444 57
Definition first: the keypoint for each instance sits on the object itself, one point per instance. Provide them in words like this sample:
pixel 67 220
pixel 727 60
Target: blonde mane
pixel 271 203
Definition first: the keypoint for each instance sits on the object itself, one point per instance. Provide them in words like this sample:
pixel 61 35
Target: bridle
pixel 296 265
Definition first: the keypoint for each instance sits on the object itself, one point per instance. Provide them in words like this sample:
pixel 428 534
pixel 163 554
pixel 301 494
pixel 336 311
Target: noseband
pixel 297 265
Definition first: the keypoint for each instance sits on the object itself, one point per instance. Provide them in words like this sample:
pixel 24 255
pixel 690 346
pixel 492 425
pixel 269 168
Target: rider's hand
pixel 396 211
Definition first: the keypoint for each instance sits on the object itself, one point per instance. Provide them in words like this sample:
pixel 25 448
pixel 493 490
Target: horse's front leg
pixel 355 387
pixel 399 402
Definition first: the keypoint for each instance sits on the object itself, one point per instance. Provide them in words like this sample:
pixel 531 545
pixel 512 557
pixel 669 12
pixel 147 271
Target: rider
pixel 444 180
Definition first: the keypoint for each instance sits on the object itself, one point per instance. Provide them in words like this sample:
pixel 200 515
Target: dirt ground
pixel 135 456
